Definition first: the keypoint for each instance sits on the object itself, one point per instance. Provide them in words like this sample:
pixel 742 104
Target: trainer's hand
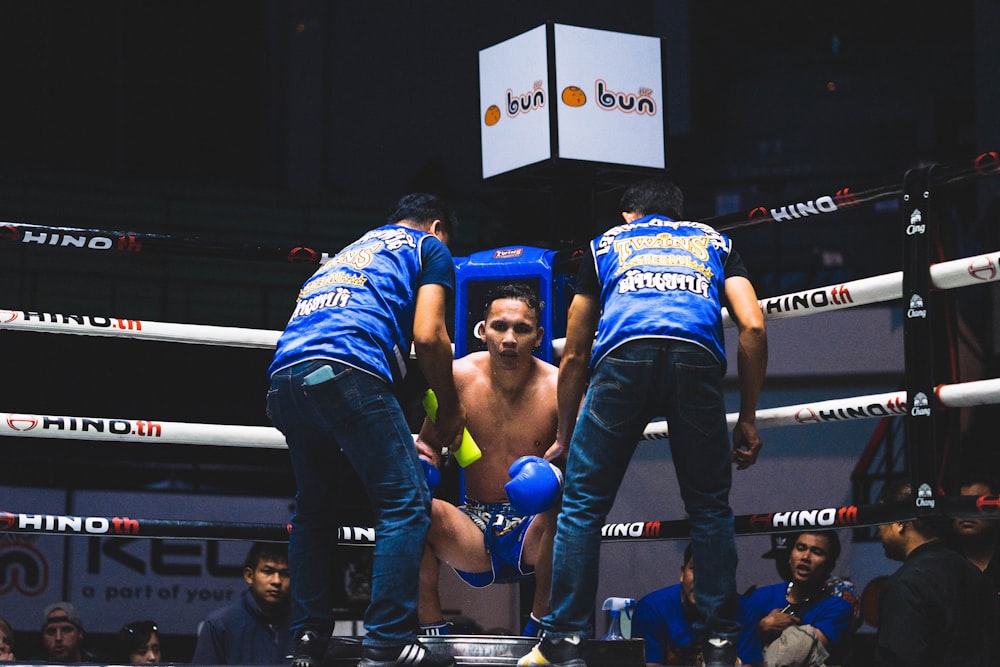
pixel 449 426
pixel 427 452
pixel 556 452
pixel 746 445
pixel 534 484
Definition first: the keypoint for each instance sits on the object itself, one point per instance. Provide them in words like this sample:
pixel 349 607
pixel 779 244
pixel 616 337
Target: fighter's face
pixel 511 332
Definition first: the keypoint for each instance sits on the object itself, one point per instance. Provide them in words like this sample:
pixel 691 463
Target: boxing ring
pixel 918 404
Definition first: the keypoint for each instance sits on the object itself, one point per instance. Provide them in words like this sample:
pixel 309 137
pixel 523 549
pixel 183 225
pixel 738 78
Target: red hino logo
pixel 984 502
pixel 303 255
pixel 22 422
pixel 805 415
pixel 9 233
pixel 7 316
pixel 7 520
pixel 983 268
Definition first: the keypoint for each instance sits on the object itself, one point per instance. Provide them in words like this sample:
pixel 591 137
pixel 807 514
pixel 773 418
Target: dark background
pixel 300 122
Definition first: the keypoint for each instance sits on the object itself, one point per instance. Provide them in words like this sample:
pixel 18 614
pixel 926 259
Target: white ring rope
pixel 93 325
pixel 955 273
pixel 945 275
pixel 980 392
pixel 144 431
pixel 890 404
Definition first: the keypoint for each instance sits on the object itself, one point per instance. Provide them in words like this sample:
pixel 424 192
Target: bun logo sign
pixel 525 102
pixel 573 96
pixel 492 115
pixel 594 95
pixel 605 98
pixel 516 104
pixel 640 102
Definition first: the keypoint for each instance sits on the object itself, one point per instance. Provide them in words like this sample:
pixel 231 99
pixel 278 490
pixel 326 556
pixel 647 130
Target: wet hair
pixel 133 637
pixel 423 209
pixel 832 543
pixel 654 197
pixel 265 551
pixel 518 291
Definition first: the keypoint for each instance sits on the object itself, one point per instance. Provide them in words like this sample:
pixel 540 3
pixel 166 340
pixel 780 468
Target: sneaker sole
pixel 536 659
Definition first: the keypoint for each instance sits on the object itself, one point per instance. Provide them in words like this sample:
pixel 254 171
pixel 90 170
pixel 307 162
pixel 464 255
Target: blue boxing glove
pixel 432 474
pixel 534 485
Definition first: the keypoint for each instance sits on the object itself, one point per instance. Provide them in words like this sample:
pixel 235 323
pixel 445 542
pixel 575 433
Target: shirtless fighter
pixel 503 533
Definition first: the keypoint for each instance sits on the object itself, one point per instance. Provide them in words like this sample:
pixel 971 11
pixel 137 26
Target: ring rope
pixel 140 242
pixel 139 431
pixel 849 516
pixel 852 516
pixel 986 163
pixel 143 431
pixel 952 274
pixel 890 404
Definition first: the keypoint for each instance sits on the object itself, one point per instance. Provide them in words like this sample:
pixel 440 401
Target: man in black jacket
pixel 937 609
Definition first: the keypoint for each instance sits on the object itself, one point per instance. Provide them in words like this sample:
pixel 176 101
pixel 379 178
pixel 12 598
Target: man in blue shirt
pixel 665 617
pixel 793 621
pixel 652 290
pixel 334 378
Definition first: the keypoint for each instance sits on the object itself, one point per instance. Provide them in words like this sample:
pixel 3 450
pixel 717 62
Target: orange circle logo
pixel 492 116
pixel 573 96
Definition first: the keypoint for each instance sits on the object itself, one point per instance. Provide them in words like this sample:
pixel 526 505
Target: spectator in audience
pixel 937 609
pixel 664 618
pixel 6 641
pixel 800 621
pixel 781 546
pixel 63 636
pixel 979 539
pixel 254 630
pixel 138 643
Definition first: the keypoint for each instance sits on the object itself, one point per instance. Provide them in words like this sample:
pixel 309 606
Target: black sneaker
pixel 564 652
pixel 411 655
pixel 719 653
pixel 309 650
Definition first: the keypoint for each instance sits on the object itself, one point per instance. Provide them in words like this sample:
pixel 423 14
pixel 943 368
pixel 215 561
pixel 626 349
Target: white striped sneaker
pixel 411 655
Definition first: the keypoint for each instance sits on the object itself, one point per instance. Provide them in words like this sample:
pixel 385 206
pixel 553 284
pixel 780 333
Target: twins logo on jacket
pixel 661 278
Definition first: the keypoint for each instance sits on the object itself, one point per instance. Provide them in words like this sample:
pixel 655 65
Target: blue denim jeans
pixel 358 413
pixel 634 383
